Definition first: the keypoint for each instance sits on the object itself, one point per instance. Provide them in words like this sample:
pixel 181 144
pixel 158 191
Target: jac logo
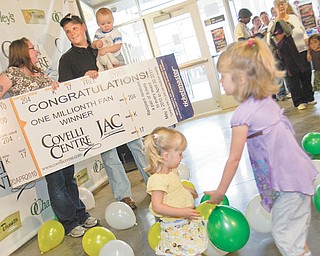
pixel 110 127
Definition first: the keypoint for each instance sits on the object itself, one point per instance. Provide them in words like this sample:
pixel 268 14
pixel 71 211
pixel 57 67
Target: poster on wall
pixel 219 39
pixel 45 130
pixel 307 16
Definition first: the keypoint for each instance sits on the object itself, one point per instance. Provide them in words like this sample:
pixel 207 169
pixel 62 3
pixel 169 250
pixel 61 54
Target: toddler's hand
pixel 99 43
pixel 190 213
pixel 102 51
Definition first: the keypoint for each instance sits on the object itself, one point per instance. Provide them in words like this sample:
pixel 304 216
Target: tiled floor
pixel 208 146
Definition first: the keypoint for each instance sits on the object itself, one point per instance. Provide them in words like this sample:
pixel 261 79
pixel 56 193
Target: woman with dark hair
pixel 257 25
pixel 22 76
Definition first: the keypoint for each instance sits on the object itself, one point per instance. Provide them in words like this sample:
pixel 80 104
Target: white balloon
pixel 317 164
pixel 184 172
pixel 213 251
pixel 116 248
pixel 87 198
pixel 316 182
pixel 120 216
pixel 259 219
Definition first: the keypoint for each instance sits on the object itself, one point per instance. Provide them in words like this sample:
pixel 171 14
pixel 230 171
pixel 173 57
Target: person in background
pixel 298 81
pixel 242 32
pixel 80 61
pixel 183 231
pixel 264 17
pixel 257 25
pixel 108 41
pixel 283 91
pixel 313 56
pixel 273 13
pixel 248 72
pixel 23 76
pixel 296 9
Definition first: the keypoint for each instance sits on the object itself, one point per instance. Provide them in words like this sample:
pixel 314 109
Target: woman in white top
pixel 300 82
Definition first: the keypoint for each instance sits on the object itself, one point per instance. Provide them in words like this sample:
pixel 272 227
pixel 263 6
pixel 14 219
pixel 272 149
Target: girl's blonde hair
pixel 160 140
pixel 254 60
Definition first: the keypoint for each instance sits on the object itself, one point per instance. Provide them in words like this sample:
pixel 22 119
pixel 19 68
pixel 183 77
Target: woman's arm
pixel 239 137
pixel 5 84
pixel 159 207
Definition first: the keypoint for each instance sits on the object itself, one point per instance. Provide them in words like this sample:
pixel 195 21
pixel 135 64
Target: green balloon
pixel 316 198
pixel 311 143
pixel 204 198
pixel 225 200
pixel 227 228
pixel 316 157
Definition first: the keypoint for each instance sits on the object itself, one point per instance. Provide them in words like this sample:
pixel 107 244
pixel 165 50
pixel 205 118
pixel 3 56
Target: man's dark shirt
pixel 76 62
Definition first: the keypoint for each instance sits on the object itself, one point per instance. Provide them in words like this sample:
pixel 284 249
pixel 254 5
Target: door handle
pixel 192 63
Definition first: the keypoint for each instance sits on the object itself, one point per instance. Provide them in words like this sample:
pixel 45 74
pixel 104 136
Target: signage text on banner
pixel 45 130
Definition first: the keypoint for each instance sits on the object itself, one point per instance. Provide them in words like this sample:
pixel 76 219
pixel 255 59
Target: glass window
pixel 123 11
pixel 215 24
pixel 177 35
pixel 196 83
pixel 135 46
pixel 148 6
pixel 90 19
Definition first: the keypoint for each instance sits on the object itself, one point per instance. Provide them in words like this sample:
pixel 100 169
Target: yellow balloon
pixel 50 235
pixel 95 238
pixel 154 235
pixel 205 209
pixel 188 184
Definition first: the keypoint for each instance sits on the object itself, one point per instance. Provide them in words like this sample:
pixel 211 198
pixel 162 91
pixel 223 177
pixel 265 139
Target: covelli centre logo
pixel 56 16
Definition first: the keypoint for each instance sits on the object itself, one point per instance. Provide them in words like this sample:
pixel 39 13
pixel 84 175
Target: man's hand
pixel 92 73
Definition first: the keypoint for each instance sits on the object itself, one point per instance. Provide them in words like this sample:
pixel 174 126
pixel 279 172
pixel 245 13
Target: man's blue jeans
pixel 64 197
pixel 137 150
pixel 118 179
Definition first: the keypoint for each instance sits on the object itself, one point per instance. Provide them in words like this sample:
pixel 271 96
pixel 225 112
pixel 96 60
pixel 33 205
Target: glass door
pixel 173 30
pixel 218 25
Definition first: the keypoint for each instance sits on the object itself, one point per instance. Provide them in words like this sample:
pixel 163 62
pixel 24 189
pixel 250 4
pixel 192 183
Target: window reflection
pixel 148 6
pixel 177 35
pixel 196 83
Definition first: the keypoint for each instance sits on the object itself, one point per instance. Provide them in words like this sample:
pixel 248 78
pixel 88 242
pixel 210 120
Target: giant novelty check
pixel 45 130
